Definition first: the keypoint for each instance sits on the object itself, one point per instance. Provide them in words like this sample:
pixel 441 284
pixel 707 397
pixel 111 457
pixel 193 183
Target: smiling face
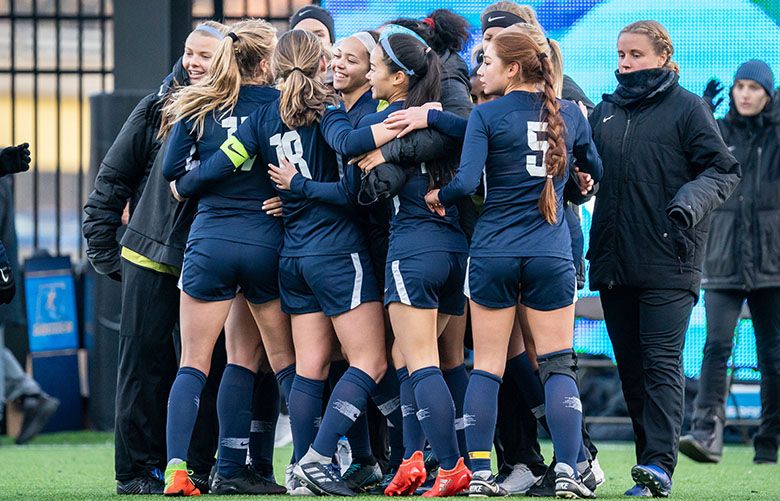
pixel 635 53
pixel 749 97
pixel 198 54
pixel 379 75
pixel 350 65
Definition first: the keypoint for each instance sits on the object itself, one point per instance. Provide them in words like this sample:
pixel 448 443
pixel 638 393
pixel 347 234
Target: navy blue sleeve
pixel 472 161
pixel 585 154
pixel 447 123
pixel 342 137
pixel 343 192
pixel 235 152
pixel 181 146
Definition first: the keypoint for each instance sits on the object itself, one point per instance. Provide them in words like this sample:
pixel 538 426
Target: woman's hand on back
pixel 410 119
pixel 283 174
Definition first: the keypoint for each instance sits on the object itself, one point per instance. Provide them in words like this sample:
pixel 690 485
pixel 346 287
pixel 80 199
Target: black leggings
pixel 723 308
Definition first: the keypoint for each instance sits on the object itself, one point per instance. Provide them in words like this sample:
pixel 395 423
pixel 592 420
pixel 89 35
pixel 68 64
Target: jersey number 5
pixel 535 129
pixel 289 146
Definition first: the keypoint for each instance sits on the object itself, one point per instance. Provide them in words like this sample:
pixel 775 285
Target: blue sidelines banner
pixel 50 295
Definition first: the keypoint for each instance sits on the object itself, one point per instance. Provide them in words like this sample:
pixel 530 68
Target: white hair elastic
pixel 366 39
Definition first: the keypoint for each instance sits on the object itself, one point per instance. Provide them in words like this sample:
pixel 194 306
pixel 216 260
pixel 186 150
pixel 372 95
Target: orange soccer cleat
pixel 410 475
pixel 450 482
pixel 178 481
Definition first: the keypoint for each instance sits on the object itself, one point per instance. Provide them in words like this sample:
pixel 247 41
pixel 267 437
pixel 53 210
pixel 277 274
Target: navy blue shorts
pixel 541 283
pixel 330 284
pixel 428 280
pixel 215 269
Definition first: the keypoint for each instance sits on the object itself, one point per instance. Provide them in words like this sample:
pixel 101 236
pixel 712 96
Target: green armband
pixel 235 151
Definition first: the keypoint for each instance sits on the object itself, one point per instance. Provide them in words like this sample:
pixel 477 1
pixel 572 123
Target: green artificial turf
pixel 80 466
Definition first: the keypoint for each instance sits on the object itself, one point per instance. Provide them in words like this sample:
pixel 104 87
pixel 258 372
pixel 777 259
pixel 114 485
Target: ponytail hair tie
pixel 542 56
pixel 427 50
pixel 430 22
pixel 549 176
pixel 233 36
pixel 296 68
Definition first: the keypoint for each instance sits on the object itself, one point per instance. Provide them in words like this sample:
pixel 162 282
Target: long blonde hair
pixel 659 38
pixel 304 96
pixel 236 60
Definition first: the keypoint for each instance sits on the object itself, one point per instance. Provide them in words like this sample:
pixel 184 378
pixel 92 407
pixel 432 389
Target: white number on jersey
pixel 231 124
pixel 289 146
pixel 534 129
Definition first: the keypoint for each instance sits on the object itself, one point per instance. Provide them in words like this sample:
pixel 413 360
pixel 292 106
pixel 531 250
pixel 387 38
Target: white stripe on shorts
pixel 399 283
pixel 466 288
pixel 358 285
pixel 396 204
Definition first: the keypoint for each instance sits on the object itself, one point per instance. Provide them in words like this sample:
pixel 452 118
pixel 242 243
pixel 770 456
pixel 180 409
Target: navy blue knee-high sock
pixel 522 371
pixel 183 410
pixel 346 404
pixel 359 440
pixel 480 410
pixel 305 412
pixel 436 413
pixel 564 415
pixel 285 379
pixel 457 380
pixel 387 398
pixel 234 409
pixel 265 412
pixel 414 438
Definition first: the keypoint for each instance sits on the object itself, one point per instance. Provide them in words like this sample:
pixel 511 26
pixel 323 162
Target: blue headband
pixel 396 29
pixel 389 51
pixel 211 31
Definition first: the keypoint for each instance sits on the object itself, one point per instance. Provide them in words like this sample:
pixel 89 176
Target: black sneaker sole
pixel 694 450
pixel 644 477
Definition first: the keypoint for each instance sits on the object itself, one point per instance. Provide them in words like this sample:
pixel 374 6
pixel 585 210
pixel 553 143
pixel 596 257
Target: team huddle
pixel 326 180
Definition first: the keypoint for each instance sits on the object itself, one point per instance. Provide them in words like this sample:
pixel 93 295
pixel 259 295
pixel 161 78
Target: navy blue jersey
pixel 229 204
pixel 506 140
pixel 414 229
pixel 365 105
pixel 311 227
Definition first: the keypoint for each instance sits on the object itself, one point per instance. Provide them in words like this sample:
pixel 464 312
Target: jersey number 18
pixel 289 146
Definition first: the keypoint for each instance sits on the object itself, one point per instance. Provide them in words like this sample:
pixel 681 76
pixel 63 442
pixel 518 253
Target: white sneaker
pixel 598 472
pixel 520 480
pixel 293 485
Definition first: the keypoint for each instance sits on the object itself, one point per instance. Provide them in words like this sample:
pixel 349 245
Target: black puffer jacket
pixel 662 154
pixel 743 249
pixel 122 176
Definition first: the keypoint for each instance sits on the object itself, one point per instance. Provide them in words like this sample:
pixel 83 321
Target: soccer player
pixel 521 246
pixel 232 243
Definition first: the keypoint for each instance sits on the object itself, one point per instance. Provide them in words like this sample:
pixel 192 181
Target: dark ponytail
pixel 443 30
pixel 421 61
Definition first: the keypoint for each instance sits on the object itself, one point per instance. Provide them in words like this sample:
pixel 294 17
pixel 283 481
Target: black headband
pixel 500 19
pixel 317 13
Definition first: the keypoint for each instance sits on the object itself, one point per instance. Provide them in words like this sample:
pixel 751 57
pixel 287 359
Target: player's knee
pixel 560 362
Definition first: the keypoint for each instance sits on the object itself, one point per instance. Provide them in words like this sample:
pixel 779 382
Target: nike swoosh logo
pixel 491 19
pixel 607 119
pixel 230 147
pixel 303 12
pixel 244 444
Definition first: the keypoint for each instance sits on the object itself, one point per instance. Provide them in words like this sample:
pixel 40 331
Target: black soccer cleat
pixel 569 487
pixel 149 483
pixel 322 479
pixel 484 485
pixel 361 477
pixel 246 482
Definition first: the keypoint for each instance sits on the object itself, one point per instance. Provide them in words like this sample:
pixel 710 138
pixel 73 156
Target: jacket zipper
pixel 624 175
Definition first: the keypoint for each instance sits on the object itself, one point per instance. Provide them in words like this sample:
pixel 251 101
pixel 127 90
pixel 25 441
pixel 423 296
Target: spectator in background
pixel 15 384
pixel 742 262
pixel 666 169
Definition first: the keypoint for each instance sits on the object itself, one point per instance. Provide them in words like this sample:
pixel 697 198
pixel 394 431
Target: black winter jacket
pixel 661 151
pixel 122 176
pixel 743 249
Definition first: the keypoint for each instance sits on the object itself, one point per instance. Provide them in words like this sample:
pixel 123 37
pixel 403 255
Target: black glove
pixel 14 159
pixel 711 91
pixel 383 181
pixel 7 283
